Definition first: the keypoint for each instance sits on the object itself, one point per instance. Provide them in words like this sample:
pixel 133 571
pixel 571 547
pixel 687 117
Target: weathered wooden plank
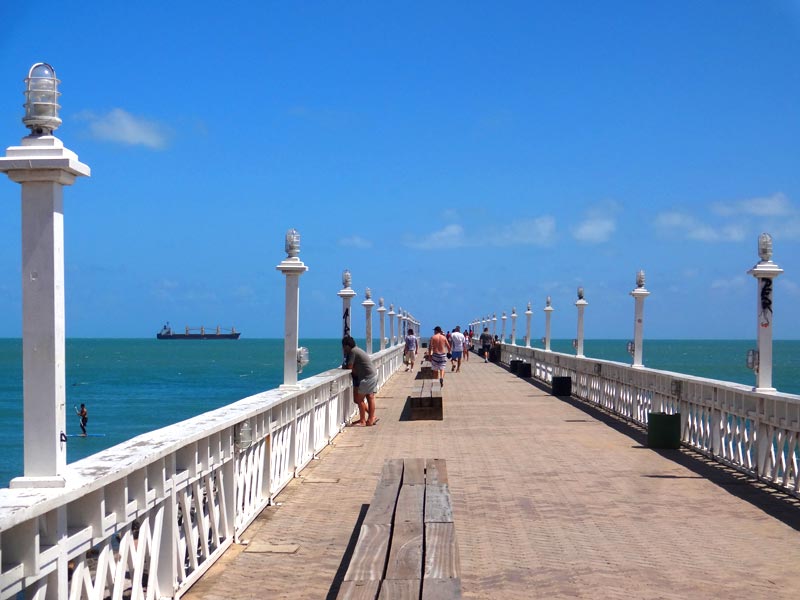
pixel 438 508
pixel 400 589
pixel 392 471
pixel 414 471
pixel 381 508
pixel 405 556
pixel 435 471
pixel 441 589
pixel 359 590
pixel 410 504
pixel 441 551
pixel 369 558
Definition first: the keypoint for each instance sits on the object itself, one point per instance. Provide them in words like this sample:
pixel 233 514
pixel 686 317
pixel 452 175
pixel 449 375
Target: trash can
pixel 562 386
pixel 663 430
pixel 494 354
pixel 524 369
pixel 514 365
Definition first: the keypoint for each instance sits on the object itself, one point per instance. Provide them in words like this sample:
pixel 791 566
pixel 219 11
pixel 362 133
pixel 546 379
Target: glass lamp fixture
pixel 640 279
pixel 347 279
pixel 302 358
pixel 548 301
pixel 292 243
pixel 41 100
pixel 765 247
pixel 368 294
pixel 580 293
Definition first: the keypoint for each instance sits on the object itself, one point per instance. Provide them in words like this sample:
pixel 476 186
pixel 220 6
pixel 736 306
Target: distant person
pixel 486 343
pixel 438 347
pixel 84 417
pixel 457 342
pixel 365 374
pixel 412 347
pixel 467 344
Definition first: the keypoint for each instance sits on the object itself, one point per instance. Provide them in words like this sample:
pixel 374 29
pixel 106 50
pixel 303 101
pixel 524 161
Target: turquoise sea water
pixel 132 386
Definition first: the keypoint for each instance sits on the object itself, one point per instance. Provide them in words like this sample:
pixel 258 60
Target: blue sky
pixel 460 158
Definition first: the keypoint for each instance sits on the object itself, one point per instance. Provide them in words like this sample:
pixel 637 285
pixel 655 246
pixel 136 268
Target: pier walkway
pixel 551 499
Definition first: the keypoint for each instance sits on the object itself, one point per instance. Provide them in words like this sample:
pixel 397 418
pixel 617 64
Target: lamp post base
pixel 765 390
pixel 37 482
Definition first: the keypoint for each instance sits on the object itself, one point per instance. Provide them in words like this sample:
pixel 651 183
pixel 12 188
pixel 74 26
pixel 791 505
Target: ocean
pixel 131 386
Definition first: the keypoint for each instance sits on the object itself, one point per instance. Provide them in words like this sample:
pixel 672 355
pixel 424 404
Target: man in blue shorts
pixel 457 344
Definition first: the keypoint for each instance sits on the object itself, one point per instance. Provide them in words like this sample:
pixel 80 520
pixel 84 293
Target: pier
pixel 553 498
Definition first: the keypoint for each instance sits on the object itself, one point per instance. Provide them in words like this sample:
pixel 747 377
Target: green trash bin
pixel 663 430
pixel 524 369
pixel 562 386
pixel 514 365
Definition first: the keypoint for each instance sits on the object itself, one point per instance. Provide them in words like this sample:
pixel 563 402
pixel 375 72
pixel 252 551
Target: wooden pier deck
pixel 551 499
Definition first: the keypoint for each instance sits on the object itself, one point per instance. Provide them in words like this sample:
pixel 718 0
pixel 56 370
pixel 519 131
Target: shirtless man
pixel 438 347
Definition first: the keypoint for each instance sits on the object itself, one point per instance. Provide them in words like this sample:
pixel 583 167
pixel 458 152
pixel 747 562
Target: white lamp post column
pixel 639 294
pixel 765 271
pixel 581 304
pixel 548 312
pixel 400 334
pixel 528 314
pixel 368 304
pixel 382 313
pixel 513 326
pixel 494 324
pixel 346 294
pixel 392 341
pixel 503 328
pixel 43 166
pixel 292 267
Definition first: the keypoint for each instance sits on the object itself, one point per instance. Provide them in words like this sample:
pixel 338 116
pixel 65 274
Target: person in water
pixel 84 415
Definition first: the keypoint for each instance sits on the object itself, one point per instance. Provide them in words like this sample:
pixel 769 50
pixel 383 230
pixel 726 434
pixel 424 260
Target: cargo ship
pixel 200 333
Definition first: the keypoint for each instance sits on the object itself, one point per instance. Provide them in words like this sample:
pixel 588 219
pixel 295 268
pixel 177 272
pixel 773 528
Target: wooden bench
pixel 407 544
pixel 426 401
pixel 426 370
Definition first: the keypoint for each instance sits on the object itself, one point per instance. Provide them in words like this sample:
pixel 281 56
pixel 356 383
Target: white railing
pixel 753 432
pixel 146 518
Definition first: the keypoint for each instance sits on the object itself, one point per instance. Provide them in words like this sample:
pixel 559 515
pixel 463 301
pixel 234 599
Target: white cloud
pixel 777 205
pixel 451 236
pixel 733 283
pixel 688 227
pixel 595 230
pixel 355 241
pixel 526 232
pixel 120 126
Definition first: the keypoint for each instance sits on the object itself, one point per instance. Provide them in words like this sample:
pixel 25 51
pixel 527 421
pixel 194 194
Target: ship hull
pixel 198 336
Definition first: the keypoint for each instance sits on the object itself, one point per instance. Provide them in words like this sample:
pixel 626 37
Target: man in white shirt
pixel 457 343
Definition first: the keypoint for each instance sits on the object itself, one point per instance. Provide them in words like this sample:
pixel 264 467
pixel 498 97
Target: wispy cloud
pixel 523 232
pixel 540 231
pixel 777 205
pixel 689 227
pixel 451 236
pixel 598 225
pixel 122 127
pixel 737 282
pixel 355 241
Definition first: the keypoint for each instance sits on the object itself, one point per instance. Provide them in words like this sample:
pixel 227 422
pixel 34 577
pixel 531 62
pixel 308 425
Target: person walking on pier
pixel 364 372
pixel 412 347
pixel 457 342
pixel 438 348
pixel 486 343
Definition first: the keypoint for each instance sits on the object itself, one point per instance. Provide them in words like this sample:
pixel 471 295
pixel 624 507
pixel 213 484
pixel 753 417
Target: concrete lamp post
pixel 43 166
pixel 392 341
pixel 292 267
pixel 382 313
pixel 764 272
pixel 581 305
pixel 639 294
pixel 513 326
pixel 494 324
pixel 548 313
pixel 368 304
pixel 503 328
pixel 528 314
pixel 346 294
